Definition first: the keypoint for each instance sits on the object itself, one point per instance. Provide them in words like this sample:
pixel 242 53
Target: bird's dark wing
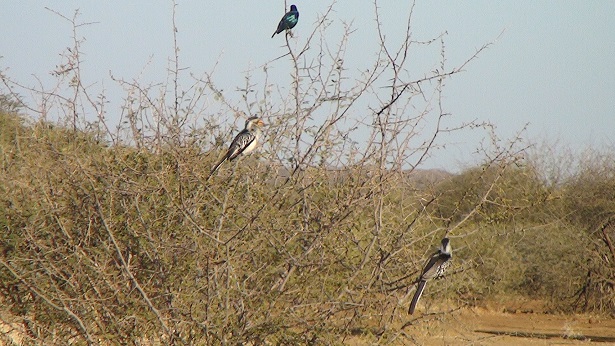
pixel 431 269
pixel 281 26
pixel 289 21
pixel 429 264
pixel 240 143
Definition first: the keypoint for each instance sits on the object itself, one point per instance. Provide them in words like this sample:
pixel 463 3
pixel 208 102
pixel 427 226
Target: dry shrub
pixel 116 244
pixel 590 208
pixel 519 243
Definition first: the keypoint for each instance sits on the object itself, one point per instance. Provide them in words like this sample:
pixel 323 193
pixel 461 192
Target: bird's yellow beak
pixel 260 122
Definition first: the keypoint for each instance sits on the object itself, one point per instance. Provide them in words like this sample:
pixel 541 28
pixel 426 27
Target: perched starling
pixel 289 20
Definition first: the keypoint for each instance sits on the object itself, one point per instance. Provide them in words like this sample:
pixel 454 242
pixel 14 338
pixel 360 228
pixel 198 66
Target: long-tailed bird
pixel 434 268
pixel 289 20
pixel 244 142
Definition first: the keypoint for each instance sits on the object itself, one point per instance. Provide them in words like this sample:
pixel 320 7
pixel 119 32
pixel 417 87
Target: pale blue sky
pixel 553 67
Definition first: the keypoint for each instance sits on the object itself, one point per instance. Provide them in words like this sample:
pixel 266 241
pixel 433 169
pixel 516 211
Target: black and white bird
pixel 434 268
pixel 244 142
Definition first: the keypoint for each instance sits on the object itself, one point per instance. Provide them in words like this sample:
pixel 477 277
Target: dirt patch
pixel 525 324
pixel 477 326
pixel 532 328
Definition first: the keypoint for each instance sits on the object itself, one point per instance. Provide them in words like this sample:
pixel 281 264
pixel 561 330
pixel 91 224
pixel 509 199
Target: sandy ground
pixel 490 328
pixel 481 326
pixel 502 326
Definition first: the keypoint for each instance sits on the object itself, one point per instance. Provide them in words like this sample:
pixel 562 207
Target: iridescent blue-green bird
pixel 289 20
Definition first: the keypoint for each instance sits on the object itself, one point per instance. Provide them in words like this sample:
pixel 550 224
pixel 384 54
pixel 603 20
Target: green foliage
pixel 503 194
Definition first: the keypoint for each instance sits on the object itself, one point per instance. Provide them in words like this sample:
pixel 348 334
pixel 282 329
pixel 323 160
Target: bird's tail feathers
pixel 213 170
pixel 417 295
